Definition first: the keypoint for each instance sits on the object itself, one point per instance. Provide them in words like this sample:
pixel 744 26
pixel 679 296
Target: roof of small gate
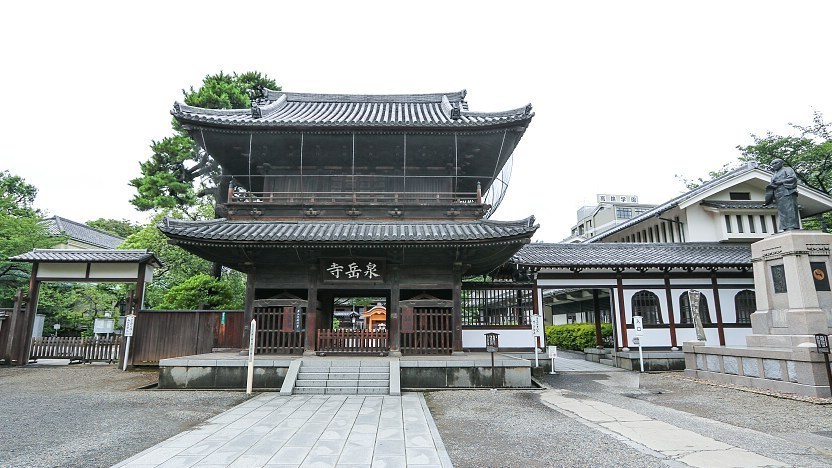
pixel 87 256
pixel 279 109
pixel 633 255
pixel 276 233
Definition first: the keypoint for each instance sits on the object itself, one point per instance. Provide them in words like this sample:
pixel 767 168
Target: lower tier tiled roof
pixel 282 233
pixel 605 255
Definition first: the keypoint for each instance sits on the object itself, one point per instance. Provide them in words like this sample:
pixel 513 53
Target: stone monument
pixel 794 302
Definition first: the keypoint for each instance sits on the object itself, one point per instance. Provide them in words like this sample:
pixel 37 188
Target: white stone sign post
pixel 129 324
pixel 638 325
pixel 250 377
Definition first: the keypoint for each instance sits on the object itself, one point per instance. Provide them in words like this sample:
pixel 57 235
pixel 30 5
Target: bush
pixel 576 336
pixel 199 291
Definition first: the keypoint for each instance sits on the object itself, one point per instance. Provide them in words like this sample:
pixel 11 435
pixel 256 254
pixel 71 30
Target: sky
pixel 627 94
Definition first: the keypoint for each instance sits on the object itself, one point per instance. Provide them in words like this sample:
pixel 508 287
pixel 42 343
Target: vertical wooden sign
pixel 407 320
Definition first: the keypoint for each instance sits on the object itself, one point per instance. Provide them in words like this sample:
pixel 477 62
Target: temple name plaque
pixel 347 270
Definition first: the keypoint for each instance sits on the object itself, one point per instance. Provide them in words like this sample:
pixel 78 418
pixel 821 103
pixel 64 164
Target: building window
pixel 751 227
pixel 745 303
pixel 638 237
pixel 774 223
pixel 684 309
pixel 580 230
pixel 646 305
pixel 664 233
pixel 728 224
pixel 639 211
pixel 623 213
pixel 650 232
pixel 740 226
pixel 739 195
pixel 763 224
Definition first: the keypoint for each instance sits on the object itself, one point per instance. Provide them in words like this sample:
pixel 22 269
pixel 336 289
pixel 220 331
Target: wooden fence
pixel 76 348
pixel 161 334
pixel 429 330
pixel 352 341
pixel 280 330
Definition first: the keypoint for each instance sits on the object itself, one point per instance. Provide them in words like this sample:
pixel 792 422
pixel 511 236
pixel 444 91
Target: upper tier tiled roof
pixel 272 233
pixel 81 232
pixel 282 109
pixel 84 256
pixel 603 255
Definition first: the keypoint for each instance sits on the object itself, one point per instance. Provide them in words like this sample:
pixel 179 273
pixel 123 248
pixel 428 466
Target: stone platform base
pixel 797 370
pixel 228 370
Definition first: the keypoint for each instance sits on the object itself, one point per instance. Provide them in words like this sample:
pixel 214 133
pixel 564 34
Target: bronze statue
pixel 783 191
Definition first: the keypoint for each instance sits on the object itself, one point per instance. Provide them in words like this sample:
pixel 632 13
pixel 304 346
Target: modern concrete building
pixel 610 211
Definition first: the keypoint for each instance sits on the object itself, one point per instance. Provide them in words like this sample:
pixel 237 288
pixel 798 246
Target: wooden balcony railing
pixel 356 198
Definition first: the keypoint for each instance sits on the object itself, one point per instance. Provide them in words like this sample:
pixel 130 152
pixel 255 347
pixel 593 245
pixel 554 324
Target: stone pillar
pixel 792 289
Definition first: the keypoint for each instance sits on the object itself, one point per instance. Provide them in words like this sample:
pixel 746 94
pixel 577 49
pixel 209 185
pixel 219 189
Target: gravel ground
pixel 92 415
pixel 513 428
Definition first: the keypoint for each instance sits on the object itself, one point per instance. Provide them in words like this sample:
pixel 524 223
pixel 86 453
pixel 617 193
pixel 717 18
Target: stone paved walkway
pixel 308 431
pixel 660 439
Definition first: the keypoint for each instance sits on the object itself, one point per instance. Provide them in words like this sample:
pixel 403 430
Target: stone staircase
pixel 343 377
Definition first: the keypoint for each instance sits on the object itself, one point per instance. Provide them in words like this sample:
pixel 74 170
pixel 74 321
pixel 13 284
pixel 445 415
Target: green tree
pixel 118 227
pixel 165 181
pixel 808 150
pixel 20 232
pixel 200 292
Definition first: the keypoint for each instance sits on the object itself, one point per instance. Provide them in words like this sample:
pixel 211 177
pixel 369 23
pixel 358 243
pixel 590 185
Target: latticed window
pixel 745 303
pixel 684 309
pixel 646 305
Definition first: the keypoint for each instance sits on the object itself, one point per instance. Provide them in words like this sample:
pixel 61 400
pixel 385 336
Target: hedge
pixel 576 336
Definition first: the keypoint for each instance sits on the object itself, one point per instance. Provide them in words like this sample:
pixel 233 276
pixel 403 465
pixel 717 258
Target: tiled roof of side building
pixel 736 204
pixel 81 232
pixel 603 255
pixel 83 256
pixel 275 233
pixel 283 109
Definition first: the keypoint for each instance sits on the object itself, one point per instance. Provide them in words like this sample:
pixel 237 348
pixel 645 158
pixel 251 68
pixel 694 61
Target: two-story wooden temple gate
pixel 344 195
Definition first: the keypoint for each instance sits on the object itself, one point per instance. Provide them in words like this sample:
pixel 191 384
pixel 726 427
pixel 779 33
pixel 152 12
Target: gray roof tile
pixel 83 256
pixel 81 232
pixel 335 232
pixel 633 255
pixel 283 109
pixel 737 204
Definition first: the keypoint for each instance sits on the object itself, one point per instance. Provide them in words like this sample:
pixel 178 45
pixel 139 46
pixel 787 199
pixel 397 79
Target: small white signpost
pixel 129 324
pixel 553 353
pixel 537 335
pixel 638 325
pixel 251 335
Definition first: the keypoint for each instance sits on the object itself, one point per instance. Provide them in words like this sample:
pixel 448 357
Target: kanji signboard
pixel 352 270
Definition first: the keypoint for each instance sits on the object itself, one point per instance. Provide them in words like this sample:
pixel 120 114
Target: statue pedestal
pixel 791 282
pixel 794 301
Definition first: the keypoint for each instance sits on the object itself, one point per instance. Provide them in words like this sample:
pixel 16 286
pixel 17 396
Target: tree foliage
pixel 118 227
pixel 20 232
pixel 200 292
pixel 75 306
pixel 808 151
pixel 165 181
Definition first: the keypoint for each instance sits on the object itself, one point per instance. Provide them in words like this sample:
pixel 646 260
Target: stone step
pixel 607 362
pixel 341 391
pixel 342 376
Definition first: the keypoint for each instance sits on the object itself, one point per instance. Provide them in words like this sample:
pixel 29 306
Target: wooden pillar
pixel 248 310
pixel 9 354
pixel 24 328
pixel 394 313
pixel 596 309
pixel 718 308
pixel 670 315
pixel 621 313
pixel 456 317
pixel 312 310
